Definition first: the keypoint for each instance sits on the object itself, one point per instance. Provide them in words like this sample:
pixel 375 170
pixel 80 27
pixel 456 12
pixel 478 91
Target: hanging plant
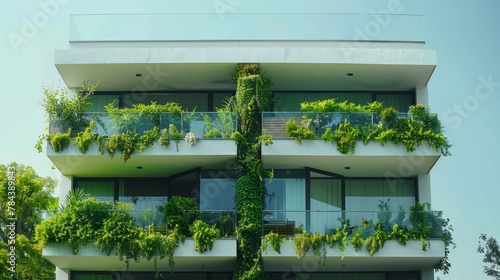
pixel 204 235
pixel 275 240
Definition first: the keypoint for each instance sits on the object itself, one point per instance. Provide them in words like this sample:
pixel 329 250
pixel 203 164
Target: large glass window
pixel 380 194
pixel 399 101
pixel 388 201
pixel 103 190
pixel 217 194
pixel 146 194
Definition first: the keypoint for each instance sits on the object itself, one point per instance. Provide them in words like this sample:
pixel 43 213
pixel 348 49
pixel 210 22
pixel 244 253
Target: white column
pixel 427 274
pixel 422 96
pixel 65 185
pixel 424 188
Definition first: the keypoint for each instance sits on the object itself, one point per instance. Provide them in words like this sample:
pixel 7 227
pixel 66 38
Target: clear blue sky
pixel 464 91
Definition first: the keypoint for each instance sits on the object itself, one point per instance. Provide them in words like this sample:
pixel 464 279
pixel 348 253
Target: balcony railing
pixel 275 122
pixel 233 26
pixel 224 220
pixel 326 222
pixel 203 124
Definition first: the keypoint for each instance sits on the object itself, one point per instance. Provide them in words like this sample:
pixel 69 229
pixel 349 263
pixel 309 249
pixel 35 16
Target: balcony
pixel 222 257
pixel 214 148
pixel 369 160
pixel 409 257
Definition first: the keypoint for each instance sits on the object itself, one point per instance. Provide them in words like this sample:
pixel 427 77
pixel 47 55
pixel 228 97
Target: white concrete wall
pixel 424 188
pixel 65 185
pixel 422 96
pixel 427 274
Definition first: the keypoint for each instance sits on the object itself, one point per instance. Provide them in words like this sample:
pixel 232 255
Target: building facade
pixel 191 60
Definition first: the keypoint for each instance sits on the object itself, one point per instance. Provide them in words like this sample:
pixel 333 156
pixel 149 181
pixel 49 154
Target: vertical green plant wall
pixel 252 97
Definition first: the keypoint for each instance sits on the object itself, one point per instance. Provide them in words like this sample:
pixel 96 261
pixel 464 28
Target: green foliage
pixel 164 138
pixel 204 235
pixel 138 128
pixel 85 138
pixel 180 212
pixel 389 117
pixel 298 133
pixel 302 243
pixel 65 109
pixel 119 233
pixel 60 141
pixel 24 195
pixel 112 227
pixel 399 234
pixel 253 95
pixel 147 140
pixel 245 70
pixel 339 238
pixel 157 246
pixel 140 116
pixel 489 247
pixel 101 141
pixel 79 224
pixel 317 243
pixel 220 127
pixel 154 246
pixel 345 136
pixel 376 241
pixel 126 143
pixel 331 105
pixel 275 240
pixel 444 264
pixel 357 240
pixel 172 242
pixel 225 223
pixel 413 131
pixel 113 143
pixel 175 135
pixel 30 264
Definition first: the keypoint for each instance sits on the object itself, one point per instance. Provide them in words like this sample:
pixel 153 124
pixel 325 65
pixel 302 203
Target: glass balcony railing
pixel 234 26
pixel 224 220
pixel 203 124
pixel 275 122
pixel 326 222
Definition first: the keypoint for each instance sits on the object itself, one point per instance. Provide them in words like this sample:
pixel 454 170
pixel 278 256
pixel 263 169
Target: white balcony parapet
pixel 222 257
pixel 404 257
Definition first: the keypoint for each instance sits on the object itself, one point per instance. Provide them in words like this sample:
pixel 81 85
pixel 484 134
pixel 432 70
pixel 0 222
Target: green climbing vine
pixel 252 97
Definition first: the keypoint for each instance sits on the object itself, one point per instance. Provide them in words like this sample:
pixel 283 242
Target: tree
pixel 24 196
pixel 489 247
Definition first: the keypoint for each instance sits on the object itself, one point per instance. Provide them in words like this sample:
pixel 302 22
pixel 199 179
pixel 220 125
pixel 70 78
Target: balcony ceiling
pixel 290 68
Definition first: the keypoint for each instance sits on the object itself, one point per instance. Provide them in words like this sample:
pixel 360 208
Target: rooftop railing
pixel 234 26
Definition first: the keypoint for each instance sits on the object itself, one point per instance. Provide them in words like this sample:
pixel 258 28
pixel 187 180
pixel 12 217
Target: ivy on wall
pixel 252 97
